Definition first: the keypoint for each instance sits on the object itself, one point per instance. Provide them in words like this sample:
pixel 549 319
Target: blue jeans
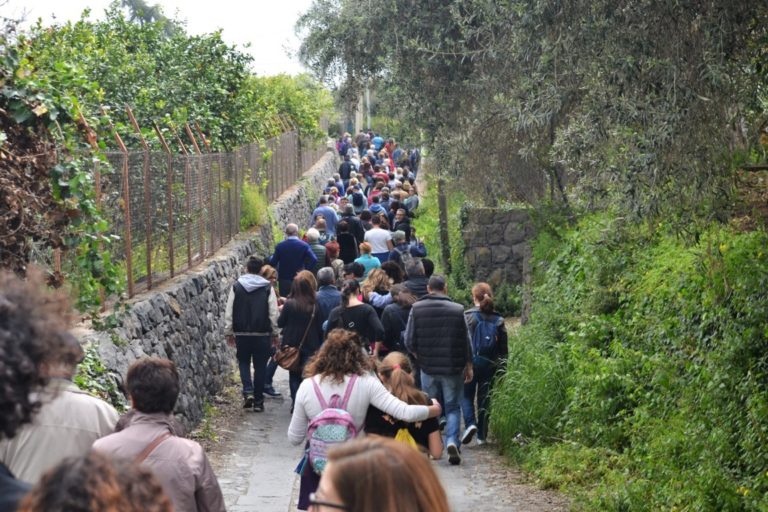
pixel 271 369
pixel 253 349
pixel 452 387
pixel 480 386
pixel 383 256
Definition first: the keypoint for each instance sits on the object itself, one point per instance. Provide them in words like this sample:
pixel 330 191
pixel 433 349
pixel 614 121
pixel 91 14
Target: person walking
pixel 489 348
pixel 366 259
pixel 396 374
pixel 300 324
pixel 269 273
pixel 380 239
pixel 67 424
pixel 313 239
pixel 250 325
pixel 326 212
pixel 340 368
pixel 358 317
pixel 180 464
pixel 437 336
pixel 290 257
pixel 328 296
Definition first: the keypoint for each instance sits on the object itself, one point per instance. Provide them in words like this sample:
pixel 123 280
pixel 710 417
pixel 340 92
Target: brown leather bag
pixel 290 357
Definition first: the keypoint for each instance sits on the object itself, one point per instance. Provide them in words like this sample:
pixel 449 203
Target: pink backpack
pixel 332 426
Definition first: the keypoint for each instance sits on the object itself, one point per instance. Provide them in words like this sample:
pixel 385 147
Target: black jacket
pixel 250 311
pixel 355 227
pixel 394 319
pixel 293 321
pixel 417 286
pixel 437 335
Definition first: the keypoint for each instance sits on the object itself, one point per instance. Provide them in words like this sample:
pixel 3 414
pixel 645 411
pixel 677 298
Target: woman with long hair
pixel 376 474
pixel 300 323
pixel 489 348
pixel 357 316
pixel 338 364
pixel 396 374
pixel 375 290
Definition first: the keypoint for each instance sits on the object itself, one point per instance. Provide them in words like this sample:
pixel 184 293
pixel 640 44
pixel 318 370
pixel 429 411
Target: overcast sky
pixel 266 24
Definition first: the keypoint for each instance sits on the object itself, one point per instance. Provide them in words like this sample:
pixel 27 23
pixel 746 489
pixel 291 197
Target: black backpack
pixel 357 199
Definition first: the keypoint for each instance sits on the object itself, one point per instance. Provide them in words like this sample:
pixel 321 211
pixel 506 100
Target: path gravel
pixel 254 463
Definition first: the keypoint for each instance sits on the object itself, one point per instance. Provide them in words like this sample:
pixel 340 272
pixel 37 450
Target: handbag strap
pixel 151 447
pixel 309 325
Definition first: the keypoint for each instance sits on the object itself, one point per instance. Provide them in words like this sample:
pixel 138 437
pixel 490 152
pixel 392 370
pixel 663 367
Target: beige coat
pixel 67 424
pixel 180 464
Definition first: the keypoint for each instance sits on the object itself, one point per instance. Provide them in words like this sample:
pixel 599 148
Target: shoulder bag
pixel 290 357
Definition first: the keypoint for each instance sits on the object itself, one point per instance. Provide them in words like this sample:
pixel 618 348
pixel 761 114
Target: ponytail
pixel 398 377
pixel 483 296
pixel 348 288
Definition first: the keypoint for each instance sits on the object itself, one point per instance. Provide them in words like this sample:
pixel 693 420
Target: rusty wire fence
pixel 171 211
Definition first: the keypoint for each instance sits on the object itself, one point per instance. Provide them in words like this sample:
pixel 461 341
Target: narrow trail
pixel 254 463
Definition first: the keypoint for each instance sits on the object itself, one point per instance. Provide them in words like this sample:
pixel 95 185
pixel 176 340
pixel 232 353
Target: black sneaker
pixel 453 455
pixel 258 407
pixel 442 422
pixel 271 392
pixel 468 434
pixel 248 402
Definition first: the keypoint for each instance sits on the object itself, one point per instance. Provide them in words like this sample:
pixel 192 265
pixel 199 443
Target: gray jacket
pixel 179 464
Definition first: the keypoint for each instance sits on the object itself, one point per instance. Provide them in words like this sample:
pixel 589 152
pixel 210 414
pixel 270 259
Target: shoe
pixel 468 434
pixel 258 407
pixel 271 392
pixel 441 423
pixel 248 401
pixel 481 442
pixel 453 455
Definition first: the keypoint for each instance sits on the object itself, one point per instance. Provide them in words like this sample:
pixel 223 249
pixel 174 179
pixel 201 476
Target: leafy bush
pixel 642 376
pixel 254 207
pixel 93 378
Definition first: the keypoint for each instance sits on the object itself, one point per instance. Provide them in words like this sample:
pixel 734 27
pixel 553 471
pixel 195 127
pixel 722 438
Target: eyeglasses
pixel 314 502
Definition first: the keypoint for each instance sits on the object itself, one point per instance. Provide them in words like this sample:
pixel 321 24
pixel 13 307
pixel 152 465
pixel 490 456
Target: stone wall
pixel 183 319
pixel 496 248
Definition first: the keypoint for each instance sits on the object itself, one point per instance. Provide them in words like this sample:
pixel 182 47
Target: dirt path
pixel 254 463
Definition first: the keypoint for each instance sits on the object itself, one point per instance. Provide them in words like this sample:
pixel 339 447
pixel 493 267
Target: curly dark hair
pixel 33 331
pixel 340 355
pixel 96 483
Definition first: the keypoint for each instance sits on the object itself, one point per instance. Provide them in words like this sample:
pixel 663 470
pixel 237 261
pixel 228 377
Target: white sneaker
pixel 481 442
pixel 468 434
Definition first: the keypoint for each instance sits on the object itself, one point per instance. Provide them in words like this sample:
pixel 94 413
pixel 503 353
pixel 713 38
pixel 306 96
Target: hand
pixel 468 374
pixel 435 409
pixel 230 340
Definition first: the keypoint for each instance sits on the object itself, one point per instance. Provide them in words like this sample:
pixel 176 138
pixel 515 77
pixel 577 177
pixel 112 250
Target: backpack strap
pixel 348 392
pixel 319 394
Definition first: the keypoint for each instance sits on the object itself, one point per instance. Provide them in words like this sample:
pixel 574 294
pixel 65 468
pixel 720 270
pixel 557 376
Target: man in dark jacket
pixel 438 338
pixel 328 296
pixel 250 321
pixel 355 224
pixel 291 256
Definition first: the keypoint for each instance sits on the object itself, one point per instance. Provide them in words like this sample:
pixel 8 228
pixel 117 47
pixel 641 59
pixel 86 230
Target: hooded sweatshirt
pixel 245 289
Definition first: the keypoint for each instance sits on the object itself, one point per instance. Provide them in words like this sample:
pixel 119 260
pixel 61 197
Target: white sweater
pixel 368 390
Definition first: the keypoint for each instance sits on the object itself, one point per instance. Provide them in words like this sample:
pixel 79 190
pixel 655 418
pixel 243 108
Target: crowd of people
pixel 382 364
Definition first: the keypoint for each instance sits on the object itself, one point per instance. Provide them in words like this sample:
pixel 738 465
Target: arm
pixel 419 251
pixel 379 301
pixel 297 430
pixel 384 400
pixel 208 495
pixel 435 441
pixel 228 330
pixel 410 342
pixel 273 312
pixel 282 318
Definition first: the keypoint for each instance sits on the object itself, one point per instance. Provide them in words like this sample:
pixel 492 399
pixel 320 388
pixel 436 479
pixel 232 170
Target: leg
pixel 468 402
pixel 261 349
pixel 484 378
pixel 453 389
pixel 244 349
pixel 271 369
pixel 294 381
pixel 285 286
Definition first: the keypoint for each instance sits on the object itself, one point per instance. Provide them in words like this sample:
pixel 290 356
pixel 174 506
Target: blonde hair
pixel 365 248
pixel 377 280
pixel 396 374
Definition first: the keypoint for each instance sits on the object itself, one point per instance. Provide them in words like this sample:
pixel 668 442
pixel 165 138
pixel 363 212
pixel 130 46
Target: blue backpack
pixel 484 344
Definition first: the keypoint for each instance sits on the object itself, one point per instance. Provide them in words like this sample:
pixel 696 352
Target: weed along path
pixel 254 463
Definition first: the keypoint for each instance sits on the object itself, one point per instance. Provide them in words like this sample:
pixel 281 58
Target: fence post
pixel 147 194
pixel 442 204
pixel 189 207
pixel 168 196
pixel 128 236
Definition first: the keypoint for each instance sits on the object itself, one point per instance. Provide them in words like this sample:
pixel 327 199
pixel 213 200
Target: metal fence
pixel 172 211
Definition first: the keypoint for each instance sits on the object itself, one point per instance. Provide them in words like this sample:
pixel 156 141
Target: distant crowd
pixel 382 366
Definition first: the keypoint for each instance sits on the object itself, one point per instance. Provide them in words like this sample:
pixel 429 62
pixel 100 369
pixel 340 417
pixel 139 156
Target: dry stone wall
pixel 496 248
pixel 183 319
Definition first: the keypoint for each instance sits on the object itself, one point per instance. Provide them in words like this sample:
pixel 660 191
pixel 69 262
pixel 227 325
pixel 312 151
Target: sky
pixel 268 25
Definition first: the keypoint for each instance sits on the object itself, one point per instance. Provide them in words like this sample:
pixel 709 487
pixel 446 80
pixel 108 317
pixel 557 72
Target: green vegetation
pixel 93 378
pixel 254 206
pixel 641 380
pixel 54 81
